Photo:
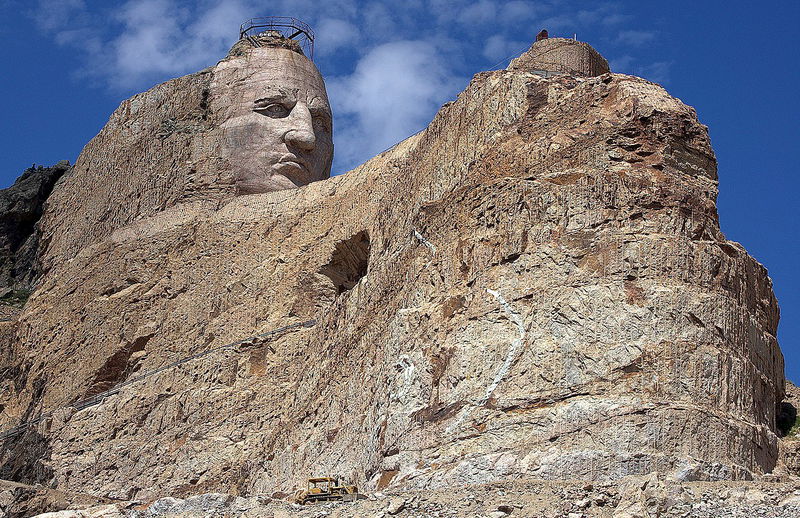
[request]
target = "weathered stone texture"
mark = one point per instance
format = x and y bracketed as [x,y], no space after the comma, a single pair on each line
[789,429]
[547,294]
[150,155]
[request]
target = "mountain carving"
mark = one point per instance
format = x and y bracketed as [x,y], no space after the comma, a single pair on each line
[536,286]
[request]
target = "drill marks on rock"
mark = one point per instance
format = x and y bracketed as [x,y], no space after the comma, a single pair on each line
[100,397]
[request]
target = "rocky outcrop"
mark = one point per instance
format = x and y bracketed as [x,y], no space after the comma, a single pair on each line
[536,286]
[21,206]
[21,501]
[145,159]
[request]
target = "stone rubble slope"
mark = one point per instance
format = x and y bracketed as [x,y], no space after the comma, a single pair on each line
[635,496]
[536,286]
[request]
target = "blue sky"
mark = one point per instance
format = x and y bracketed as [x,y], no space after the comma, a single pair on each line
[390,65]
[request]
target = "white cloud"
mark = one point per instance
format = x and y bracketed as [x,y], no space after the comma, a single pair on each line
[83,38]
[495,47]
[635,38]
[518,11]
[51,13]
[149,40]
[378,21]
[586,17]
[558,25]
[657,72]
[480,12]
[498,47]
[621,64]
[159,38]
[217,26]
[131,46]
[393,92]
[615,19]
[332,34]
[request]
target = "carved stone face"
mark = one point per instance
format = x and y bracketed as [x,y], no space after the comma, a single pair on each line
[279,133]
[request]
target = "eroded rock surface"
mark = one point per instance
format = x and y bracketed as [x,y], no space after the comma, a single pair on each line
[536,286]
[789,431]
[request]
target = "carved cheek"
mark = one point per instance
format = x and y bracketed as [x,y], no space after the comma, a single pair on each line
[324,143]
[240,131]
[270,130]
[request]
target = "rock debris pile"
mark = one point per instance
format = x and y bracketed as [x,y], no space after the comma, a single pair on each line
[631,497]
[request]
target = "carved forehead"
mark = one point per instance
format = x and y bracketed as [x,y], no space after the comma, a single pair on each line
[279,72]
[240,81]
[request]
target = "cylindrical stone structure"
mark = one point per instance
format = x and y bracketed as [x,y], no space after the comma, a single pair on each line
[564,56]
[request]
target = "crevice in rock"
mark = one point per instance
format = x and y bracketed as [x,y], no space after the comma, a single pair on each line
[787,423]
[437,412]
[26,459]
[349,262]
[117,368]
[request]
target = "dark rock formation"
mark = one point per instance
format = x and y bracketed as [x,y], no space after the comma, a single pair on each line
[21,206]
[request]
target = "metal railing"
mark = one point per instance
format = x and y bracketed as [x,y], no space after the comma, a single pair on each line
[288,27]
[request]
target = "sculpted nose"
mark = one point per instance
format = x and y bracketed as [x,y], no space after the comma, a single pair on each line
[301,134]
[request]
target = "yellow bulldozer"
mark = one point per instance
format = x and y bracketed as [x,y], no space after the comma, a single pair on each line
[325,489]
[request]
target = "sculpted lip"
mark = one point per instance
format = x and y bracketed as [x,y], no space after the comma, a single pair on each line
[294,160]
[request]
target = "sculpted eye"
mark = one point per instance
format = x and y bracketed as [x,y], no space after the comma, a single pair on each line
[321,120]
[272,110]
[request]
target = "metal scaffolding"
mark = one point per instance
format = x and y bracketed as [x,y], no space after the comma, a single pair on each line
[290,28]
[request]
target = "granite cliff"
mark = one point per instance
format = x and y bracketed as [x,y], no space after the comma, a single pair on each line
[534,287]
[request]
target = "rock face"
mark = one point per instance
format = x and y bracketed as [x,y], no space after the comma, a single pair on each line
[536,286]
[21,206]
